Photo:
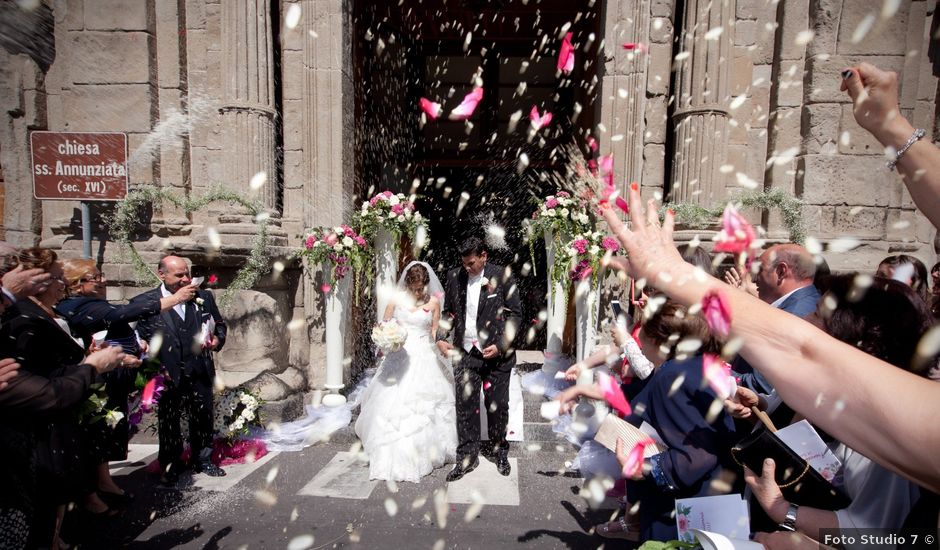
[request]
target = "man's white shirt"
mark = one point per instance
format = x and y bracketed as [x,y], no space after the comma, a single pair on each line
[473,305]
[179,308]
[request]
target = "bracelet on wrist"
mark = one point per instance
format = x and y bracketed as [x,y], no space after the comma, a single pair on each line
[915,137]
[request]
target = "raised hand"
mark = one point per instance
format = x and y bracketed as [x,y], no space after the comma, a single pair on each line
[8,369]
[25,282]
[740,279]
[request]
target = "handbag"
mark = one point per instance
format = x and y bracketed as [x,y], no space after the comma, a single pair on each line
[799,483]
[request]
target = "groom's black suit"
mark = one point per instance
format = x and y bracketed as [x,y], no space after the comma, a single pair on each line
[498,319]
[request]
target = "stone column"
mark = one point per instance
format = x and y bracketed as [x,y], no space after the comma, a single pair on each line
[248,97]
[327,139]
[623,88]
[701,115]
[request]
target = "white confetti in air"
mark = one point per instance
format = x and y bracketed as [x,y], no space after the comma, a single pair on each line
[439,544]
[294,514]
[813,246]
[296,324]
[845,139]
[901,224]
[267,498]
[514,121]
[278,267]
[713,34]
[464,197]
[421,238]
[863,27]
[682,55]
[466,41]
[523,163]
[214,240]
[732,347]
[844,244]
[745,181]
[258,180]
[496,237]
[475,507]
[929,344]
[391,507]
[903,273]
[292,19]
[419,502]
[783,157]
[890,8]
[156,342]
[804,37]
[618,137]
[440,508]
[737,102]
[271,475]
[303,542]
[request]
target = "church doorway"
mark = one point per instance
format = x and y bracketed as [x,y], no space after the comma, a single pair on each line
[482,176]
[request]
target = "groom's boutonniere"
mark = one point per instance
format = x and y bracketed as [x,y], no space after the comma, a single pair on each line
[200,301]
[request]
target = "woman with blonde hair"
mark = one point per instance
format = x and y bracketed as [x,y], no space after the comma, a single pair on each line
[88,312]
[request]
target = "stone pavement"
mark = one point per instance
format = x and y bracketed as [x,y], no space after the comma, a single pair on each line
[321,498]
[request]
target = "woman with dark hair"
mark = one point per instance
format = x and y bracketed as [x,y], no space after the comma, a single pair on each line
[907,269]
[88,312]
[678,402]
[935,290]
[886,320]
[407,423]
[42,343]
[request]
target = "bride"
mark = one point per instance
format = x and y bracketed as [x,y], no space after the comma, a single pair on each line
[407,423]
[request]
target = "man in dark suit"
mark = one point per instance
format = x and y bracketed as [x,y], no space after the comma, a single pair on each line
[483,302]
[187,359]
[785,281]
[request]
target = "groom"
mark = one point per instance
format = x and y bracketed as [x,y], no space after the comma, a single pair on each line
[483,301]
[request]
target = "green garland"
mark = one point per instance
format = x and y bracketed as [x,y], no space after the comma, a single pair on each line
[790,208]
[127,217]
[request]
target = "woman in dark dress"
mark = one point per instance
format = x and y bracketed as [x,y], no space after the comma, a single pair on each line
[88,312]
[40,341]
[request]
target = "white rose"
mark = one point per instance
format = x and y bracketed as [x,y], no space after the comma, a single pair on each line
[393,200]
[318,243]
[407,214]
[594,250]
[550,213]
[583,218]
[338,230]
[348,241]
[338,247]
[548,198]
[417,216]
[564,212]
[392,216]
[365,206]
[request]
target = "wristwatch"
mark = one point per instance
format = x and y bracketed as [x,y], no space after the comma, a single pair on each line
[789,522]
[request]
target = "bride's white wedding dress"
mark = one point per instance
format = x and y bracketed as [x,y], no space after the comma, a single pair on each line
[407,423]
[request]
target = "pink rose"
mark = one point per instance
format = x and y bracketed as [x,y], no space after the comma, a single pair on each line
[551,203]
[683,523]
[563,194]
[581,245]
[374,200]
[387,194]
[398,209]
[311,240]
[330,239]
[610,243]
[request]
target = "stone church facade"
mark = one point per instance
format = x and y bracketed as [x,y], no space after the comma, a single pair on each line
[721,94]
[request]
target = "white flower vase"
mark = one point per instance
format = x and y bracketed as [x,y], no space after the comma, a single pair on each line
[386,270]
[557,312]
[587,304]
[337,309]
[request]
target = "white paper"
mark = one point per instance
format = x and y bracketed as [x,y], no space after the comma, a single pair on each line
[197,282]
[804,441]
[723,514]
[716,541]
[208,329]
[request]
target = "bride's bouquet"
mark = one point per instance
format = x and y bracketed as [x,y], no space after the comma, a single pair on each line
[389,336]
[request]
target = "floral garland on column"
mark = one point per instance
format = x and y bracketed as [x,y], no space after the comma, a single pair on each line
[127,217]
[342,249]
[563,215]
[790,208]
[393,212]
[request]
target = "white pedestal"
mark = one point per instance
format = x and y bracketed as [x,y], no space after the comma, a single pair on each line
[556,312]
[386,270]
[337,306]
[587,303]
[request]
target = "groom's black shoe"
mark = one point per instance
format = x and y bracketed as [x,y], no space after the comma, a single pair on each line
[464,466]
[502,465]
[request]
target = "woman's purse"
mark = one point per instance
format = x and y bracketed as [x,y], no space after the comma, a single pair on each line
[798,481]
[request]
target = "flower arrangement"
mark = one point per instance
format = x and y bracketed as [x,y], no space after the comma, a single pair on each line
[341,248]
[389,336]
[393,212]
[563,216]
[235,411]
[580,258]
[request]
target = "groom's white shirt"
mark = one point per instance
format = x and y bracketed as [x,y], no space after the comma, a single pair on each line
[473,304]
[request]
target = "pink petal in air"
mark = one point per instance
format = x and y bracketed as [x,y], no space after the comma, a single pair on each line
[717,313]
[736,233]
[634,462]
[566,55]
[635,46]
[718,375]
[614,395]
[467,106]
[430,108]
[539,122]
[592,144]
